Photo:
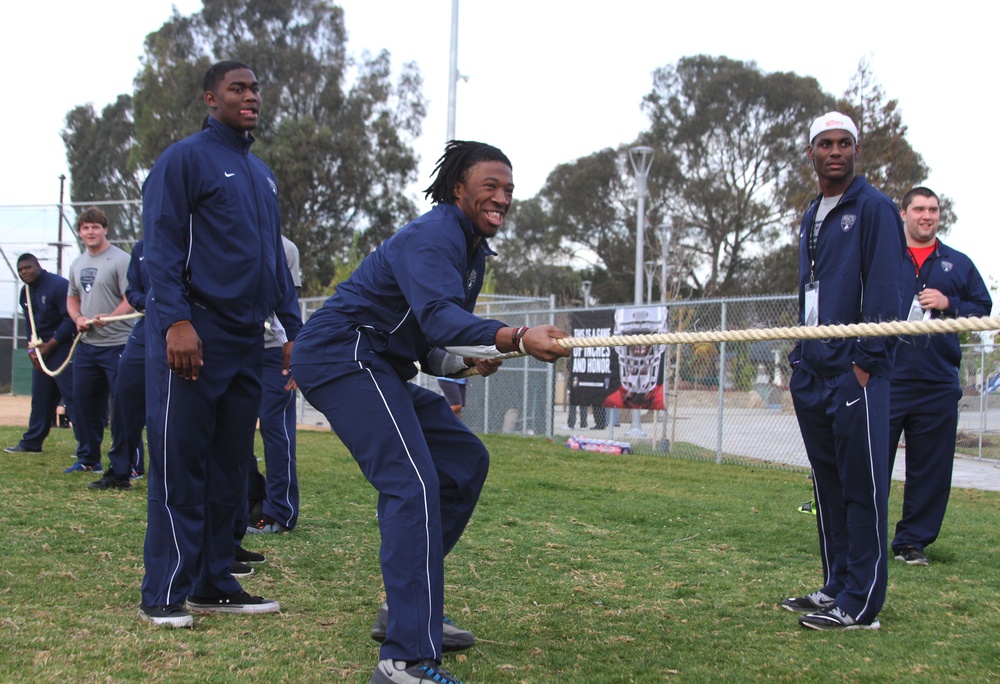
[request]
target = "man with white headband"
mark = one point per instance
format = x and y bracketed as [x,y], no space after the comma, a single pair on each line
[850,271]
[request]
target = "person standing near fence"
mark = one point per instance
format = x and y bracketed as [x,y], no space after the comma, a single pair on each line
[940,282]
[410,298]
[217,270]
[55,328]
[850,271]
[279,506]
[98,279]
[126,458]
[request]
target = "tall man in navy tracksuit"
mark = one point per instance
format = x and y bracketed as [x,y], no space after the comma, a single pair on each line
[217,271]
[850,271]
[940,282]
[126,457]
[406,302]
[56,330]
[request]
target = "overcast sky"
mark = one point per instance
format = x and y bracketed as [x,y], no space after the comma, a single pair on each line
[548,80]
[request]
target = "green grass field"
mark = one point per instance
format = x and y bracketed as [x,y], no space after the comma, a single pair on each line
[576,567]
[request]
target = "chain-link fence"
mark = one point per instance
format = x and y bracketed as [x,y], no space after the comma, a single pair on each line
[725,402]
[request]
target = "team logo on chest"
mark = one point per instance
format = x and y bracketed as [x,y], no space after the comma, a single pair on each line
[274,186]
[947,266]
[87,278]
[848,221]
[470,278]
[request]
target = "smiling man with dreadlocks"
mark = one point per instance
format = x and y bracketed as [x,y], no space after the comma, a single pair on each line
[408,301]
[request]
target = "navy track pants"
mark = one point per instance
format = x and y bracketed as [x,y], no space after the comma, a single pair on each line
[428,469]
[846,431]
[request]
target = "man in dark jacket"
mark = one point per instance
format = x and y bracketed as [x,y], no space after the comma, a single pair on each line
[216,271]
[55,329]
[407,301]
[939,282]
[850,271]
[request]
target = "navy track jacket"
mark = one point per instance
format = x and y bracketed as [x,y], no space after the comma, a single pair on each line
[416,291]
[936,358]
[48,304]
[213,235]
[859,265]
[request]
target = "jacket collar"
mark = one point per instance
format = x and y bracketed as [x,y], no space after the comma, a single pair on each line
[227,135]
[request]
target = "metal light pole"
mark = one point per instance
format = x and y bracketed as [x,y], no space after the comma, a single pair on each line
[62,194]
[641,158]
[585,289]
[664,231]
[453,71]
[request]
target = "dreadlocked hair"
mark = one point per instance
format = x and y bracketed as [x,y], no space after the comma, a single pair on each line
[459,156]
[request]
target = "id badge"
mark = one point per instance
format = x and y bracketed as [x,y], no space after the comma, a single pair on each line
[917,312]
[812,304]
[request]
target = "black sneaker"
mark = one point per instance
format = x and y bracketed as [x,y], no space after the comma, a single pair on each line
[21,449]
[240,602]
[452,637]
[110,481]
[396,672]
[808,604]
[265,524]
[166,617]
[911,556]
[833,619]
[238,569]
[244,556]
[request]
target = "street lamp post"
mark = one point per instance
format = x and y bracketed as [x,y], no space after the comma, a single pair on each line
[641,158]
[665,246]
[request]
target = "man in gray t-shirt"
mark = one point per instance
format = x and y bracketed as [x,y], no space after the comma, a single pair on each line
[97,282]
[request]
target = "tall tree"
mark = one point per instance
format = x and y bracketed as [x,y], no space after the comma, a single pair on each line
[342,153]
[888,161]
[737,133]
[98,149]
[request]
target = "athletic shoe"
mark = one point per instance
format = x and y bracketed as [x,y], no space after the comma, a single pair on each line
[240,602]
[834,618]
[911,556]
[135,474]
[396,672]
[452,638]
[265,524]
[166,617]
[81,467]
[244,556]
[807,507]
[238,569]
[808,604]
[21,449]
[109,481]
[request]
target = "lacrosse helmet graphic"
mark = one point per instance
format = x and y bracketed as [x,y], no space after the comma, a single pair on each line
[639,365]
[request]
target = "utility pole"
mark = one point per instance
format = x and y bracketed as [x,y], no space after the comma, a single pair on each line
[453,71]
[641,158]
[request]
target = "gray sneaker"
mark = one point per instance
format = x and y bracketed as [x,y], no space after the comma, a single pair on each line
[166,616]
[911,556]
[396,672]
[808,604]
[452,637]
[834,619]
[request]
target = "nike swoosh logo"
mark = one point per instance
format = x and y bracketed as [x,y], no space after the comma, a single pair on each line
[229,175]
[852,403]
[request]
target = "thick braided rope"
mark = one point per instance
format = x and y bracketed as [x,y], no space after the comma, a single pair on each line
[36,341]
[934,326]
